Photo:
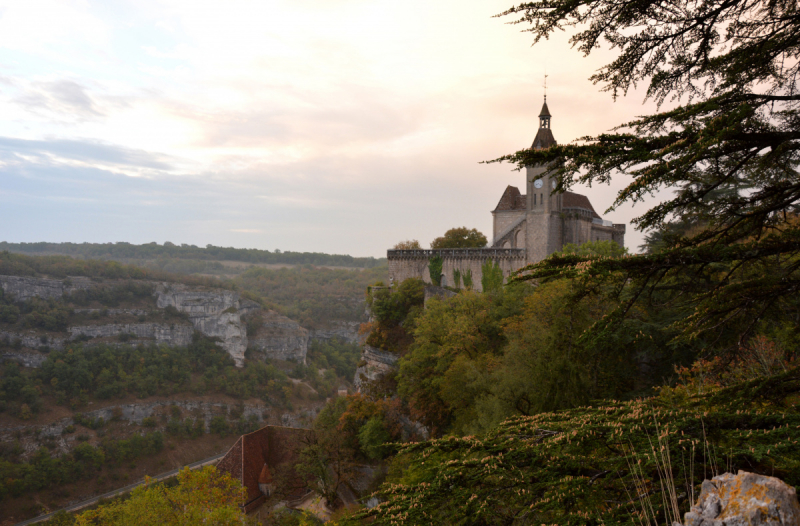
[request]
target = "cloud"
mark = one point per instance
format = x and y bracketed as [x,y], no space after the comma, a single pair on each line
[85,151]
[63,97]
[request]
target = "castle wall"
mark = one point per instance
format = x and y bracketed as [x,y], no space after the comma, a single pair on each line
[404,264]
[504,219]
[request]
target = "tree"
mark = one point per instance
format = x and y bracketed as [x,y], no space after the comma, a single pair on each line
[462,237]
[731,151]
[204,496]
[409,244]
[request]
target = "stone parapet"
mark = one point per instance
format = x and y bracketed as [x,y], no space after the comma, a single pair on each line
[458,253]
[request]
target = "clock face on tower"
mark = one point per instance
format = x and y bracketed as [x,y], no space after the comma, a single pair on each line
[538,183]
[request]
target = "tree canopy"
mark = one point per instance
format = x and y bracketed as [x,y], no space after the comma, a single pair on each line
[461,237]
[728,148]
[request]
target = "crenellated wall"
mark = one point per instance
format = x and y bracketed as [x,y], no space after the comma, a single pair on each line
[404,264]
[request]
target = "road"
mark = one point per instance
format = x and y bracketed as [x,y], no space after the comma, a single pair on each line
[120,491]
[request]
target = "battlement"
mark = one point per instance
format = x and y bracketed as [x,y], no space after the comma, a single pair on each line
[481,254]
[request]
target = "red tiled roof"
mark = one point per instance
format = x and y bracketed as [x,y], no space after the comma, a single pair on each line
[573,200]
[248,459]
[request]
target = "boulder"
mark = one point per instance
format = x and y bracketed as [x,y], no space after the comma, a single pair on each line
[745,499]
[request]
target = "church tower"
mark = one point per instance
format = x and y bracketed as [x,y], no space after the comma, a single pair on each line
[544,222]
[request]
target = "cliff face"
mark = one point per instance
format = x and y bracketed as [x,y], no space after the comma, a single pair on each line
[213,313]
[171,335]
[374,364]
[23,288]
[279,337]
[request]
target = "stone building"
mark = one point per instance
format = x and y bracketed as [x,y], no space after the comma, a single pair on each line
[526,227]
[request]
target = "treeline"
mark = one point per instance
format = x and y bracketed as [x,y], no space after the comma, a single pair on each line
[150,251]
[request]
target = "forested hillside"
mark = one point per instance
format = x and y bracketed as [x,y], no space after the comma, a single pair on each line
[154,253]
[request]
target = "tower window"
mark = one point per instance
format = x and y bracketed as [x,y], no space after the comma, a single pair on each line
[534,199]
[541,198]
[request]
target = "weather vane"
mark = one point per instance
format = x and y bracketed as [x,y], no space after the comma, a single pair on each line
[545,85]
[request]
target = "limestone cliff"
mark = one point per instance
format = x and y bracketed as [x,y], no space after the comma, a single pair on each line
[374,364]
[213,313]
[22,288]
[278,337]
[171,335]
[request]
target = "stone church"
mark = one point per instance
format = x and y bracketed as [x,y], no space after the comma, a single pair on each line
[527,227]
[542,222]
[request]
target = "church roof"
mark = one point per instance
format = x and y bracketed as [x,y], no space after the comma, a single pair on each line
[573,200]
[511,200]
[544,139]
[545,111]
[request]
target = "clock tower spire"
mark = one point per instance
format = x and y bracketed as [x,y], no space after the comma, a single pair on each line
[543,231]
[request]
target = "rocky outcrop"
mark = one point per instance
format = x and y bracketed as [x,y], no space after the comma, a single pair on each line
[33,437]
[373,365]
[23,288]
[24,357]
[213,313]
[32,340]
[440,293]
[280,338]
[171,335]
[112,312]
[342,330]
[745,499]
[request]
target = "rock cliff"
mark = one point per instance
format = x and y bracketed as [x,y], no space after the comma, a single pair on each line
[213,313]
[279,337]
[171,335]
[374,364]
[23,288]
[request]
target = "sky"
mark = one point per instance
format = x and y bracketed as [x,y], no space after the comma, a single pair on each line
[338,126]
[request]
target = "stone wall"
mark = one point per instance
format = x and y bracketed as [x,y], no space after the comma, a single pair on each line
[404,264]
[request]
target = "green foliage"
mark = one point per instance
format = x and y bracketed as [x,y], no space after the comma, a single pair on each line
[575,467]
[457,342]
[43,471]
[113,295]
[373,436]
[609,249]
[435,264]
[491,276]
[114,372]
[456,278]
[327,458]
[204,496]
[394,311]
[467,276]
[461,237]
[310,295]
[335,354]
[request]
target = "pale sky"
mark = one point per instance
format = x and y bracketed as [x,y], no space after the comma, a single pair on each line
[339,126]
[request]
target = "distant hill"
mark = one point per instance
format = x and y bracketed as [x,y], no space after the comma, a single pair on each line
[153,251]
